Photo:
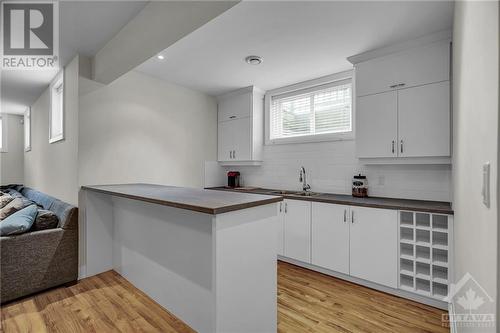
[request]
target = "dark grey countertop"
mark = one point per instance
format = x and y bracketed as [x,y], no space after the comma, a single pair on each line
[199,200]
[375,202]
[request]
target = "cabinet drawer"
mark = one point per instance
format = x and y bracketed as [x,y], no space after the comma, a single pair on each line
[417,66]
[236,107]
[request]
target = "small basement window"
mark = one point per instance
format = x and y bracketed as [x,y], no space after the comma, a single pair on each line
[56,122]
[318,113]
[2,139]
[27,130]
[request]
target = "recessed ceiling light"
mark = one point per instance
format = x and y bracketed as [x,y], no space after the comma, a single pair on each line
[253,60]
[161,57]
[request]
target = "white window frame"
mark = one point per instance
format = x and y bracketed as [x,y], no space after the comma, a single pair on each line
[3,148]
[58,80]
[27,130]
[346,75]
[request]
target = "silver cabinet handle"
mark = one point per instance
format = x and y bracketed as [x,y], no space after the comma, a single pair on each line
[352,216]
[401,146]
[230,154]
[281,207]
[234,153]
[232,117]
[393,146]
[286,207]
[397,85]
[345,215]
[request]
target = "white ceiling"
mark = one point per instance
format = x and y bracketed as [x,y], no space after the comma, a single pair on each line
[85,27]
[297,40]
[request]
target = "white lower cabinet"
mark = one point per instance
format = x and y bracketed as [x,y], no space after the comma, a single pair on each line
[297,230]
[357,241]
[374,245]
[281,229]
[364,243]
[330,236]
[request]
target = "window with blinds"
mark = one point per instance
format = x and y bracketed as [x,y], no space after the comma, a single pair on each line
[1,134]
[56,115]
[321,110]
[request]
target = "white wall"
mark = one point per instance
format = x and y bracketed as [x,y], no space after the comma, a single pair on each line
[476,76]
[12,161]
[331,165]
[53,168]
[142,129]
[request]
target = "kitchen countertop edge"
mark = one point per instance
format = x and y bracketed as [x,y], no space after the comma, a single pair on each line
[186,206]
[429,206]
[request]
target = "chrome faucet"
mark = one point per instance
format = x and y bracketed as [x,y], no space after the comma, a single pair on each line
[302,178]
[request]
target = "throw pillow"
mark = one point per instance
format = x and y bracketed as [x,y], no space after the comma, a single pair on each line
[45,219]
[14,206]
[19,222]
[14,193]
[5,199]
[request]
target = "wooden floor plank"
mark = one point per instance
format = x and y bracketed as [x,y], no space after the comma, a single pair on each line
[307,302]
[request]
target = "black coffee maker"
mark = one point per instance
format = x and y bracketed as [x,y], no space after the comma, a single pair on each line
[233,179]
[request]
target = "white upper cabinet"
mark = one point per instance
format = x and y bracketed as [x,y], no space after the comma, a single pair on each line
[224,141]
[241,127]
[424,120]
[403,105]
[377,125]
[235,106]
[417,66]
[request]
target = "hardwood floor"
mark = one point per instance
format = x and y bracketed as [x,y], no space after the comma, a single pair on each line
[102,303]
[307,302]
[313,302]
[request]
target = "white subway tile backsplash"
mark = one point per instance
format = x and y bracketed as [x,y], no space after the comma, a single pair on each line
[331,165]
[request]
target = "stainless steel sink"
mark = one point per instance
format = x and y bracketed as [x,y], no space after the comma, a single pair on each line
[301,193]
[305,194]
[283,192]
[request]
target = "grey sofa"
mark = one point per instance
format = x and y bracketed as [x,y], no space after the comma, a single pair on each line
[39,260]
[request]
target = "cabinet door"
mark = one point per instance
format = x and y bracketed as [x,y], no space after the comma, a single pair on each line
[377,125]
[298,230]
[330,236]
[235,107]
[281,229]
[424,120]
[242,139]
[416,66]
[423,65]
[374,245]
[375,76]
[225,142]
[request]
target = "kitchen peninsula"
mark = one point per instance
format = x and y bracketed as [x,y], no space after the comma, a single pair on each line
[209,257]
